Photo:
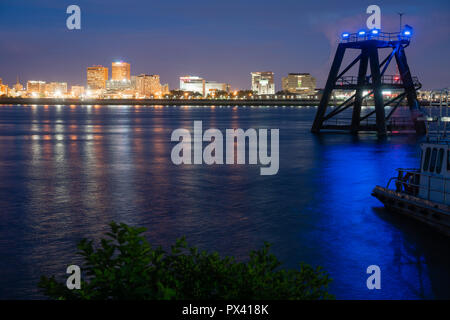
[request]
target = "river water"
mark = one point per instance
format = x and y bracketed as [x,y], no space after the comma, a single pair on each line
[66,171]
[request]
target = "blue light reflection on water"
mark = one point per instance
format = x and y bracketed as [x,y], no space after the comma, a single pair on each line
[66,171]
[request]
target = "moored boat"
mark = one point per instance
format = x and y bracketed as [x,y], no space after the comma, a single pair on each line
[423,193]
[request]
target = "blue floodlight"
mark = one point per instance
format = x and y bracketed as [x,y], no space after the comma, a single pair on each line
[345,35]
[362,33]
[407,31]
[375,31]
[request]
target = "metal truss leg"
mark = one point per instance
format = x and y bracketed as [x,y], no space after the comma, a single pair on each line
[359,92]
[317,125]
[410,90]
[377,92]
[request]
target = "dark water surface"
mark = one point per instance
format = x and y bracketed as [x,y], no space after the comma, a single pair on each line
[66,171]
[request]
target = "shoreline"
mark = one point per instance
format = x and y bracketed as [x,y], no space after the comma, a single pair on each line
[191,102]
[223,102]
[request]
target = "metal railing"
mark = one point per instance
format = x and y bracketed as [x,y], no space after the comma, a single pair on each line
[408,181]
[385,79]
[382,36]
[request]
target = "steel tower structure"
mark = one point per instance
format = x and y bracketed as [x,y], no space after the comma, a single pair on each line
[364,85]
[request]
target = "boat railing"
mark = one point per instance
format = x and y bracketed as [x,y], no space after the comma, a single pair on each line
[410,181]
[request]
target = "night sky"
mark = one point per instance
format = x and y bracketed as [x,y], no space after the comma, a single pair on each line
[219,40]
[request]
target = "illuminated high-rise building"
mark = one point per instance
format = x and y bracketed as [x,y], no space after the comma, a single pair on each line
[147,85]
[120,71]
[302,83]
[263,83]
[35,87]
[97,77]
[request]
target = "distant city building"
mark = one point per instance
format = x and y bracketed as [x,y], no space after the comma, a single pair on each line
[77,91]
[35,87]
[192,84]
[4,89]
[148,85]
[301,83]
[200,85]
[263,83]
[119,85]
[212,86]
[18,86]
[56,88]
[94,93]
[432,95]
[120,71]
[97,77]
[165,89]
[133,82]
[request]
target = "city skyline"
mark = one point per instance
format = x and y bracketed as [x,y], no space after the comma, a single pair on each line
[173,39]
[120,77]
[98,76]
[120,80]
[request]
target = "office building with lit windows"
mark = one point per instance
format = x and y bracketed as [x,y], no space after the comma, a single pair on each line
[148,85]
[300,83]
[55,88]
[263,82]
[97,77]
[192,84]
[35,87]
[200,85]
[120,71]
[119,85]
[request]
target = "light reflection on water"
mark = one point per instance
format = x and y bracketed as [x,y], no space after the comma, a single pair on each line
[66,171]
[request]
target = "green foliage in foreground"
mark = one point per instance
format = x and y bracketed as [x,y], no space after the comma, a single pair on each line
[125,266]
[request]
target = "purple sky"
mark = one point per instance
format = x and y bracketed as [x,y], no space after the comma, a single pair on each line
[218,40]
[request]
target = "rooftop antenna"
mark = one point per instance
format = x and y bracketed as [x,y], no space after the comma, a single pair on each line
[400,15]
